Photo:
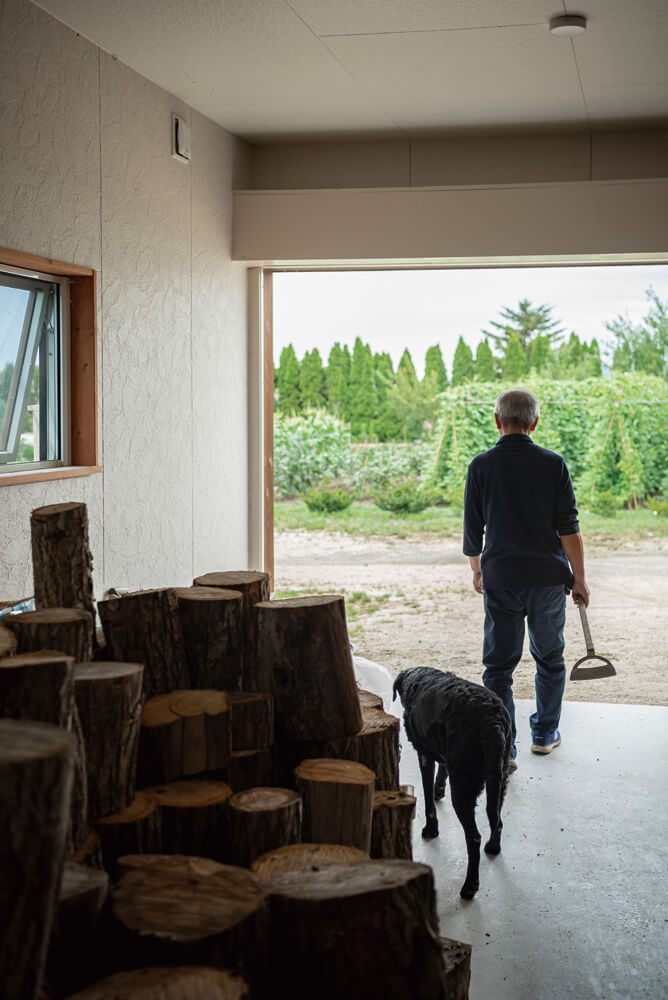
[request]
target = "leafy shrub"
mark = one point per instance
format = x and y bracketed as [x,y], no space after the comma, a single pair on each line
[605,503]
[659,505]
[313,449]
[407,497]
[326,501]
[309,450]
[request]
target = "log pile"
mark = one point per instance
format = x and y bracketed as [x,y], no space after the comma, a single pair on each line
[232,784]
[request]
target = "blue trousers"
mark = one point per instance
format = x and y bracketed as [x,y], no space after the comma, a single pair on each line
[545,611]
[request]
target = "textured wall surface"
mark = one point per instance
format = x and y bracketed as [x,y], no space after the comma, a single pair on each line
[86,176]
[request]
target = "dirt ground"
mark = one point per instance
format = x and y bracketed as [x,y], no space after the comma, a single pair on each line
[410,602]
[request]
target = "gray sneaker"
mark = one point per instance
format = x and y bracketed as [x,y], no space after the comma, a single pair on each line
[546,743]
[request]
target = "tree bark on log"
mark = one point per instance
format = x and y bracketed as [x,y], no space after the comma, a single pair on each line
[254,586]
[109,702]
[73,958]
[36,768]
[251,720]
[250,769]
[189,910]
[7,642]
[194,817]
[69,630]
[213,634]
[303,655]
[376,746]
[145,627]
[392,828]
[61,557]
[183,733]
[193,982]
[305,857]
[355,931]
[40,686]
[457,962]
[260,820]
[137,829]
[337,802]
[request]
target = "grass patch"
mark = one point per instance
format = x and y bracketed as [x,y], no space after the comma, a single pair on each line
[358,604]
[364,519]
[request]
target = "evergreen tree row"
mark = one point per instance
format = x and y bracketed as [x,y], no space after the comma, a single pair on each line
[363,389]
[385,405]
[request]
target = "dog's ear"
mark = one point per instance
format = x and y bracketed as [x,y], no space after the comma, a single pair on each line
[397,686]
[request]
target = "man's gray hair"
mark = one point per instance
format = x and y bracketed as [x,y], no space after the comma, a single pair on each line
[518,408]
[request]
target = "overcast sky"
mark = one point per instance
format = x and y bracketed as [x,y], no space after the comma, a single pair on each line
[391,310]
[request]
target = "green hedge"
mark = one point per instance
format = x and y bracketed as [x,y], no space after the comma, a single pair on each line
[613,433]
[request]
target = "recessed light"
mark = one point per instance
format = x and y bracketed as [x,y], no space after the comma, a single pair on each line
[568,25]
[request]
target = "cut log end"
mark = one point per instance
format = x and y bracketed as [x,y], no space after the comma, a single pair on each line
[232,579]
[305,857]
[53,509]
[172,983]
[329,769]
[190,794]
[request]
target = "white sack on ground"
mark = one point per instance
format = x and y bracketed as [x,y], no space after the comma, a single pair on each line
[374,677]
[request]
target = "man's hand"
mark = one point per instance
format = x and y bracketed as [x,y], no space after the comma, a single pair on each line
[580,589]
[572,545]
[477,573]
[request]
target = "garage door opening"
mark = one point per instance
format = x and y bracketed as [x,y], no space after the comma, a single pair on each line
[384,384]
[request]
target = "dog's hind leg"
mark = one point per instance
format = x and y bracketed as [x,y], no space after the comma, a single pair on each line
[427,763]
[463,802]
[495,790]
[439,785]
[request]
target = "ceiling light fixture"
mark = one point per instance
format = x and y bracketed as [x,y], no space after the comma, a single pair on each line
[568,25]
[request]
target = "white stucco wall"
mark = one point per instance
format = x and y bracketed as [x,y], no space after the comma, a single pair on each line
[86,177]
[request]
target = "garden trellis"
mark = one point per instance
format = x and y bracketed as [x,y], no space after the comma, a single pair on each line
[613,433]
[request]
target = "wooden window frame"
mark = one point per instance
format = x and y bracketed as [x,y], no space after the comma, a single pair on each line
[83,368]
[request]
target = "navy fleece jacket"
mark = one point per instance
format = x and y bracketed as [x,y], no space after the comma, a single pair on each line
[520,497]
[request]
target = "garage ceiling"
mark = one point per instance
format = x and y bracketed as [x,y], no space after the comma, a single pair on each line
[272,70]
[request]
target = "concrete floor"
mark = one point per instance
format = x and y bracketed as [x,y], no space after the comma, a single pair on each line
[576,905]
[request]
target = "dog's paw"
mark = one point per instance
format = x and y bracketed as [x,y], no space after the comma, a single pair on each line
[430,831]
[493,845]
[468,890]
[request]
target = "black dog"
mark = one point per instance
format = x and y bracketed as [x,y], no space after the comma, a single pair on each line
[466,730]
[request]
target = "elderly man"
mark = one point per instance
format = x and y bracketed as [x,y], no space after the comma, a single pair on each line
[520,497]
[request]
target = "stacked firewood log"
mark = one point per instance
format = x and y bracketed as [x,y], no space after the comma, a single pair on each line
[202,785]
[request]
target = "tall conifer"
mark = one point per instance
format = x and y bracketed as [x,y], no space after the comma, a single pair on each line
[433,362]
[287,381]
[485,367]
[462,363]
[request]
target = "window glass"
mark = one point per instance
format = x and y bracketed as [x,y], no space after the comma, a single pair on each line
[30,371]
